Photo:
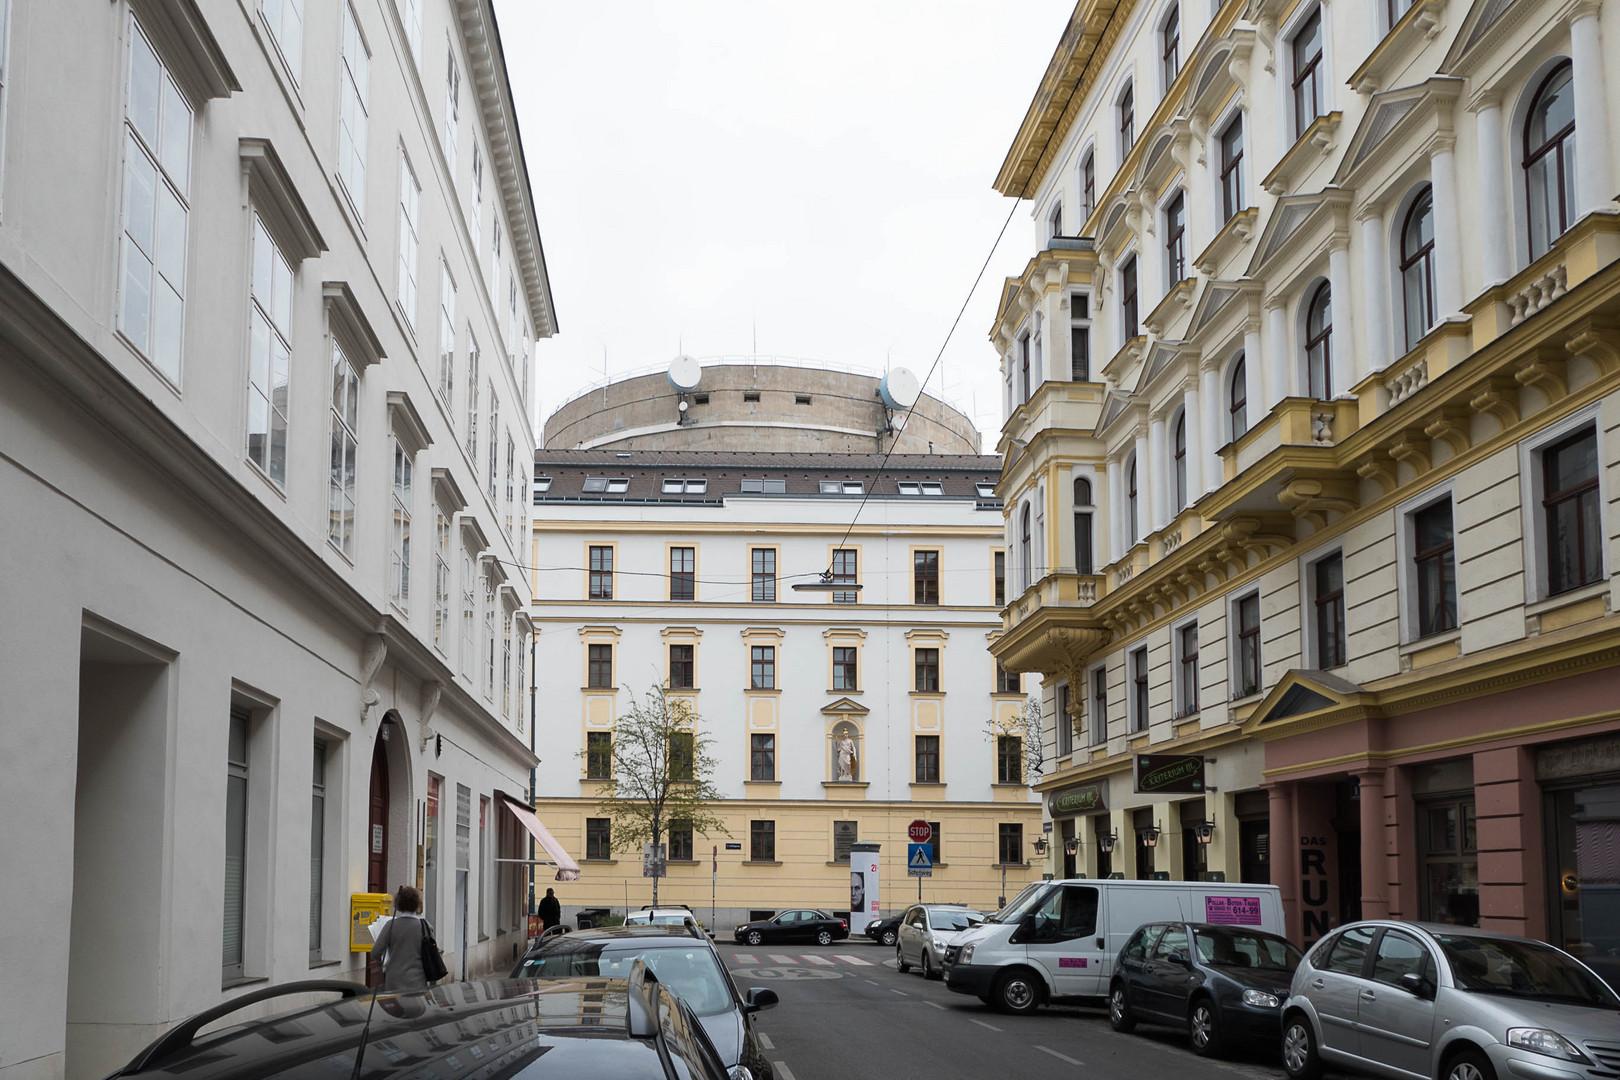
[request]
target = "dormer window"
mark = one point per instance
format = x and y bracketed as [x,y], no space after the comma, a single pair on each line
[682,486]
[755,485]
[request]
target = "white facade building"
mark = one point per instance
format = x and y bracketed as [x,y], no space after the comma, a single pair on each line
[269,278]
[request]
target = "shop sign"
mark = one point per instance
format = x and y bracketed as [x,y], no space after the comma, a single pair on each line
[1232,910]
[1079,799]
[1170,774]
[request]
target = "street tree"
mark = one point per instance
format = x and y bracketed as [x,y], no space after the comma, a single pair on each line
[662,775]
[1026,727]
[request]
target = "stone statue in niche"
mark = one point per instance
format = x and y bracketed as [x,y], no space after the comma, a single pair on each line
[845,748]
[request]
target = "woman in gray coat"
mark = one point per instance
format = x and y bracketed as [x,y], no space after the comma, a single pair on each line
[399,943]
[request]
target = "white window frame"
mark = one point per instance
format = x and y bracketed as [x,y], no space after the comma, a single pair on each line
[279,342]
[410,211]
[1179,705]
[354,66]
[1054,219]
[471,444]
[342,484]
[1309,649]
[1090,706]
[1187,253]
[410,16]
[1234,657]
[1082,323]
[1533,520]
[451,133]
[403,493]
[1089,150]
[469,618]
[475,215]
[490,601]
[494,445]
[1406,582]
[1174,6]
[447,333]
[1126,83]
[441,580]
[1285,45]
[285,21]
[1137,723]
[1235,113]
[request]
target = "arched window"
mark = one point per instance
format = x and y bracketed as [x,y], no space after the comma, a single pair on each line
[1082,526]
[1181,461]
[1549,159]
[1127,120]
[1238,395]
[1088,188]
[1130,502]
[1318,344]
[1170,36]
[1025,563]
[1417,266]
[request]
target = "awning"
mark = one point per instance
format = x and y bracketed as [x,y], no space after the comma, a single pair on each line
[567,868]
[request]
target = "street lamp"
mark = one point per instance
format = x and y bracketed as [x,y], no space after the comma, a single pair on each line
[1040,845]
[1071,846]
[1204,832]
[1150,836]
[1106,842]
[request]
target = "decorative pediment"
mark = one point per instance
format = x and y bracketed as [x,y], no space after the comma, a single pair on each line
[1392,112]
[844,707]
[1217,296]
[1225,69]
[1482,18]
[1159,163]
[1306,698]
[1422,23]
[1113,406]
[1289,218]
[1159,357]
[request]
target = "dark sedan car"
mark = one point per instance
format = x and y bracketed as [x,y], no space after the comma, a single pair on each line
[557,1029]
[885,931]
[1224,984]
[684,959]
[800,924]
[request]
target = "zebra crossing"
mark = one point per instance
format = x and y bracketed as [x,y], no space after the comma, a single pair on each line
[807,959]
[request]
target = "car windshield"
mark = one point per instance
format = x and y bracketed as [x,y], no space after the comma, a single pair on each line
[1023,903]
[693,973]
[1526,969]
[1223,947]
[954,920]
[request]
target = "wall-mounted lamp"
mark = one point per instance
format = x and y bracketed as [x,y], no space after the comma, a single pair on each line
[1040,845]
[1204,832]
[1071,846]
[1106,842]
[1150,836]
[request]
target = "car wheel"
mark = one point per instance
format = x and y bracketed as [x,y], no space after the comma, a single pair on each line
[1204,1028]
[1120,1017]
[927,965]
[900,960]
[1469,1065]
[1017,992]
[889,937]
[1299,1049]
[755,937]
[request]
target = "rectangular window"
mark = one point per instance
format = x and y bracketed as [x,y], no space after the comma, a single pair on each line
[599,838]
[469,624]
[1010,757]
[762,841]
[682,573]
[157,169]
[1099,707]
[925,577]
[345,417]
[1000,558]
[1055,221]
[317,848]
[1127,298]
[399,577]
[1308,74]
[285,18]
[764,575]
[452,110]
[447,333]
[410,211]
[236,817]
[1008,682]
[1127,123]
[678,486]
[1139,689]
[680,841]
[1170,62]
[1572,519]
[927,759]
[1011,847]
[495,262]
[599,673]
[1232,169]
[927,670]
[601,585]
[1436,568]
[1248,645]
[494,459]
[475,214]
[681,757]
[511,485]
[410,14]
[762,667]
[598,755]
[753,485]
[270,357]
[1079,338]
[506,667]
[1187,669]
[844,570]
[1175,239]
[489,635]
[441,579]
[472,399]
[934,843]
[1088,188]
[845,833]
[1327,588]
[844,668]
[762,757]
[353,86]
[1062,721]
[682,663]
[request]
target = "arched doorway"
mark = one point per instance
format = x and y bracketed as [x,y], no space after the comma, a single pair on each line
[389,842]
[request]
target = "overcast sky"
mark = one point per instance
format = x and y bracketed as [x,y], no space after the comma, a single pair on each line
[723,177]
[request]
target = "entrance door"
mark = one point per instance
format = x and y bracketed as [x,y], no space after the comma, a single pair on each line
[377,838]
[1254,850]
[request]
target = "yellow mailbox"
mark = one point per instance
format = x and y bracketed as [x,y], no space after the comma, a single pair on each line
[365,908]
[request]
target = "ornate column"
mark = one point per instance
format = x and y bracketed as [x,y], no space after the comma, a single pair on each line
[1253,369]
[1118,527]
[1375,296]
[1447,232]
[1195,440]
[1593,187]
[1213,430]
[1158,475]
[1144,484]
[1374,868]
[1343,356]
[1496,262]
[1283,841]
[1279,357]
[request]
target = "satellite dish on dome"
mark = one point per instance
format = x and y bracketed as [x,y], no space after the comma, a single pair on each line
[899,389]
[684,374]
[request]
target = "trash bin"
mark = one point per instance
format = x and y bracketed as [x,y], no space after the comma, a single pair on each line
[589,917]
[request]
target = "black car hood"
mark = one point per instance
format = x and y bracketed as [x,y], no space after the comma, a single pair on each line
[725,1031]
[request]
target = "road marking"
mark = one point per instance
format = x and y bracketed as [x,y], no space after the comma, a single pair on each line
[937,1005]
[822,960]
[1060,1057]
[765,1041]
[744,958]
[982,1024]
[874,982]
[781,1067]
[778,958]
[902,993]
[857,961]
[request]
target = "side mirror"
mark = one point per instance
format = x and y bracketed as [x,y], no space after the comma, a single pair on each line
[1416,985]
[759,998]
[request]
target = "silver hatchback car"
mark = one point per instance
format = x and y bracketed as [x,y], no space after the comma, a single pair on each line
[924,932]
[1402,999]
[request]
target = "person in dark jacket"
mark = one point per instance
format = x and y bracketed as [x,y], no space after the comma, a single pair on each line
[399,943]
[550,910]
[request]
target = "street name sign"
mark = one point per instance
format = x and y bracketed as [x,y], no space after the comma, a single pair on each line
[919,860]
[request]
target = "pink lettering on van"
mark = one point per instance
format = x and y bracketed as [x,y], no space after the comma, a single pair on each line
[1071,961]
[1232,910]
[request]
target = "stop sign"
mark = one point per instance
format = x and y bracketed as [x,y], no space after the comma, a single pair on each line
[919,831]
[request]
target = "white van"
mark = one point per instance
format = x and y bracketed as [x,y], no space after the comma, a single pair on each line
[1057,940]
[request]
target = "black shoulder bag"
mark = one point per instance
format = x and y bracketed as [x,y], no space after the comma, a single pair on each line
[432,960]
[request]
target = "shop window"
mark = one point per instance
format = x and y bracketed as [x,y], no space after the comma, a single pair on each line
[1583,834]
[1449,852]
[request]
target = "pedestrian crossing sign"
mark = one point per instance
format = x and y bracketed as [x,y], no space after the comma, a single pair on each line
[919,860]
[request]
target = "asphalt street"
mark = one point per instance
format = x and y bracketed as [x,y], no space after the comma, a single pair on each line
[847,1012]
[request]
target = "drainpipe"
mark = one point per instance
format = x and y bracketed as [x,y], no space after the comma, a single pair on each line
[532,772]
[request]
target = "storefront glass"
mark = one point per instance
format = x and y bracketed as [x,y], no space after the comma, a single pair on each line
[1584,897]
[1450,861]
